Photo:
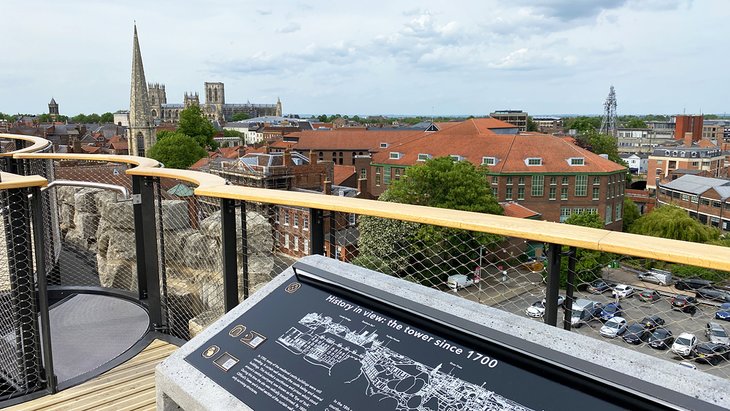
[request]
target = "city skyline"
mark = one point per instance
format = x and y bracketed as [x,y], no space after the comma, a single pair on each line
[424,58]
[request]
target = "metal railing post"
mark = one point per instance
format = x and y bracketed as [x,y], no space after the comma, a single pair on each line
[333,235]
[43,306]
[316,234]
[569,287]
[244,247]
[230,270]
[553,285]
[146,225]
[137,182]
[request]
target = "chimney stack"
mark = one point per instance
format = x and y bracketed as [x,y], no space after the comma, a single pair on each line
[688,139]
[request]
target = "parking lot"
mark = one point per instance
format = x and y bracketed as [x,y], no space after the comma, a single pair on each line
[634,310]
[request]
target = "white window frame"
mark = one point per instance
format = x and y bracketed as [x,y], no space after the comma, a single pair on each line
[394,155]
[423,157]
[528,160]
[296,243]
[576,161]
[286,217]
[305,222]
[489,161]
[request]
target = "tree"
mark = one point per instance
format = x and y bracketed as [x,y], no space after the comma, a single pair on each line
[232,133]
[673,222]
[631,214]
[240,117]
[195,125]
[107,118]
[423,252]
[531,125]
[589,263]
[636,123]
[177,150]
[583,124]
[79,118]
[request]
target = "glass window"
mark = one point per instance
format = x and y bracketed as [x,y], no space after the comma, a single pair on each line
[553,180]
[521,181]
[577,161]
[397,173]
[564,193]
[489,161]
[596,192]
[521,193]
[363,173]
[286,217]
[552,193]
[581,185]
[509,180]
[618,211]
[508,194]
[296,221]
[305,222]
[423,157]
[538,186]
[534,161]
[564,214]
[565,180]
[596,181]
[609,217]
[495,179]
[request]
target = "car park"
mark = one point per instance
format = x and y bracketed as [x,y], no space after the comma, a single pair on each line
[613,327]
[691,283]
[656,276]
[584,311]
[622,291]
[611,310]
[536,310]
[684,303]
[599,286]
[635,334]
[650,296]
[561,300]
[684,345]
[652,322]
[716,333]
[714,294]
[661,339]
[723,313]
[711,353]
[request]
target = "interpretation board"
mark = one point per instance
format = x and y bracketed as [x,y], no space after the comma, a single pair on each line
[312,344]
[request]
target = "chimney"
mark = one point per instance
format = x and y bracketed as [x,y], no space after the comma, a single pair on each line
[362,188]
[287,157]
[688,139]
[312,157]
[327,187]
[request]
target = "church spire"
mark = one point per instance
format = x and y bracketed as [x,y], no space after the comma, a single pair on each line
[141,130]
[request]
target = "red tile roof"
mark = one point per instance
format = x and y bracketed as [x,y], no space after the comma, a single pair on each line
[119,145]
[348,139]
[342,173]
[512,209]
[200,163]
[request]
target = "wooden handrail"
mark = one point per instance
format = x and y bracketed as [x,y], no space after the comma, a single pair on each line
[135,160]
[39,143]
[9,181]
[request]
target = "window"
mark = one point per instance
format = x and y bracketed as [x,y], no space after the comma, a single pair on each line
[577,161]
[394,155]
[564,193]
[397,173]
[305,222]
[521,193]
[296,243]
[596,181]
[306,246]
[276,216]
[716,204]
[552,193]
[378,170]
[533,161]
[363,173]
[609,217]
[538,186]
[508,194]
[618,211]
[596,192]
[456,157]
[383,145]
[296,221]
[564,214]
[581,185]
[495,180]
[565,180]
[553,180]
[509,180]
[424,157]
[489,161]
[286,218]
[286,240]
[351,218]
[521,181]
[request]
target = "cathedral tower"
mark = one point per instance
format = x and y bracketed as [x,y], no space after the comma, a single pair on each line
[141,131]
[53,109]
[278,107]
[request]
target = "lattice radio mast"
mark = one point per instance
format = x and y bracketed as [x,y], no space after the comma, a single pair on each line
[608,124]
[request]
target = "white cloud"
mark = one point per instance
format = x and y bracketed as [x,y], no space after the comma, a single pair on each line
[290,28]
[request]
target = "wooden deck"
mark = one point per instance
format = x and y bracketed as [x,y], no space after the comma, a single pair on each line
[130,386]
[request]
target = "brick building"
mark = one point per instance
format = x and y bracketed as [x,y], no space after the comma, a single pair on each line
[684,124]
[701,155]
[704,198]
[544,173]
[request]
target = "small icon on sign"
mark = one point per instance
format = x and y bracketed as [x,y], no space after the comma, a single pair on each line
[292,288]
[211,351]
[225,361]
[237,331]
[253,339]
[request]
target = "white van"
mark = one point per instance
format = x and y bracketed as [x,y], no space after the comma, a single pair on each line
[583,311]
[656,276]
[459,281]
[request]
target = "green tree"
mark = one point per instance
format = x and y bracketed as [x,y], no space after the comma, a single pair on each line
[673,222]
[177,150]
[630,215]
[232,133]
[583,124]
[636,123]
[240,117]
[531,125]
[93,118]
[423,252]
[194,124]
[162,134]
[589,263]
[79,118]
[107,118]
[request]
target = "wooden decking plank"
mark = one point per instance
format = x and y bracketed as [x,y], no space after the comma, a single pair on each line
[142,399]
[107,397]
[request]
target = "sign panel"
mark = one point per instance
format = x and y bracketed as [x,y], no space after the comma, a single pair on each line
[305,348]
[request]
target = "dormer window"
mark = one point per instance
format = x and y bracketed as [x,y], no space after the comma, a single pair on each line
[424,157]
[383,145]
[489,161]
[456,157]
[533,161]
[394,155]
[577,161]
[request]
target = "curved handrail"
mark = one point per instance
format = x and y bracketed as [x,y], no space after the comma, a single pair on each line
[202,180]
[112,158]
[9,181]
[39,143]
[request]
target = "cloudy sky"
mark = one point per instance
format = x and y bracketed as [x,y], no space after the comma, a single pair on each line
[375,57]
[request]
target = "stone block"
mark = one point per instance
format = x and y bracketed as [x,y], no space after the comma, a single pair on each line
[85,200]
[175,215]
[118,215]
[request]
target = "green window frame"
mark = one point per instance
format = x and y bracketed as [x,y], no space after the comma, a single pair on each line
[552,193]
[581,185]
[538,186]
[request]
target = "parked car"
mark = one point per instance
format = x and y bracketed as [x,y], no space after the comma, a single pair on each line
[622,291]
[611,310]
[650,296]
[561,300]
[714,294]
[656,276]
[711,353]
[652,322]
[613,327]
[536,310]
[716,333]
[724,312]
[636,334]
[584,311]
[458,281]
[599,286]
[684,345]
[684,303]
[661,339]
[691,283]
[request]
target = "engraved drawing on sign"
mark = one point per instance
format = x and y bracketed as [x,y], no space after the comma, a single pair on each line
[253,339]
[292,288]
[356,356]
[225,361]
[211,351]
[237,331]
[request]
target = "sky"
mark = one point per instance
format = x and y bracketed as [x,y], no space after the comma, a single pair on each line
[426,57]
